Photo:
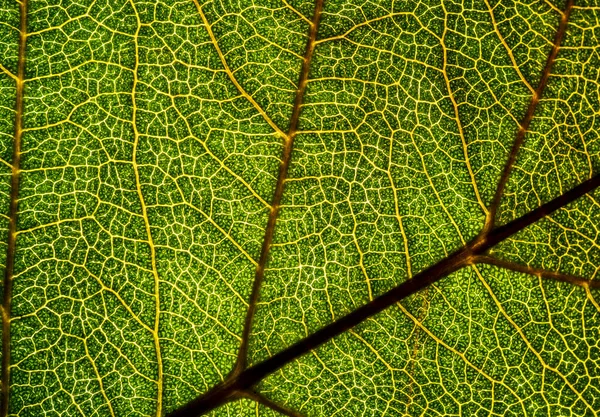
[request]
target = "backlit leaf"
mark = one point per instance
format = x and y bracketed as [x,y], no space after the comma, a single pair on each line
[280,207]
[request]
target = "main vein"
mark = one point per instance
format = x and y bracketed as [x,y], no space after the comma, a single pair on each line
[279,187]
[463,257]
[13,212]
[242,379]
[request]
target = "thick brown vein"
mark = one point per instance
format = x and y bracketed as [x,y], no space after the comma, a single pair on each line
[243,379]
[524,125]
[526,121]
[465,256]
[13,211]
[279,188]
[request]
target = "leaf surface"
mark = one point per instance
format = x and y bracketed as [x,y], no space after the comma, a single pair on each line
[296,208]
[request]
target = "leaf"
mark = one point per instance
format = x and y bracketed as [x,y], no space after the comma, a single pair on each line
[297,208]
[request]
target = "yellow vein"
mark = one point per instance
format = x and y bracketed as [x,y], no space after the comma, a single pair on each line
[70,394]
[216,271]
[7,72]
[223,232]
[418,323]
[258,35]
[262,400]
[232,76]
[554,328]
[507,48]
[77,67]
[361,24]
[210,220]
[584,143]
[526,340]
[553,7]
[213,156]
[361,257]
[457,115]
[54,224]
[590,297]
[397,207]
[120,299]
[593,241]
[382,360]
[67,120]
[194,302]
[13,212]
[300,15]
[84,16]
[435,191]
[138,185]
[98,377]
[416,346]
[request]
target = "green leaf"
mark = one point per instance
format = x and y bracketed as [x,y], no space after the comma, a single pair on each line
[299,208]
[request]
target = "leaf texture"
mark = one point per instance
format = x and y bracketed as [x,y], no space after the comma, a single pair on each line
[337,207]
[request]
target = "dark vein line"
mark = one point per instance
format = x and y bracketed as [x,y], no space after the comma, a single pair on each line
[463,257]
[261,399]
[524,125]
[246,379]
[503,232]
[243,379]
[526,121]
[279,188]
[13,211]
[538,272]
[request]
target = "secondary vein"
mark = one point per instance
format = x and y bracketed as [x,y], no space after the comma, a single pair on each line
[13,212]
[147,227]
[538,272]
[279,187]
[526,121]
[230,74]
[242,378]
